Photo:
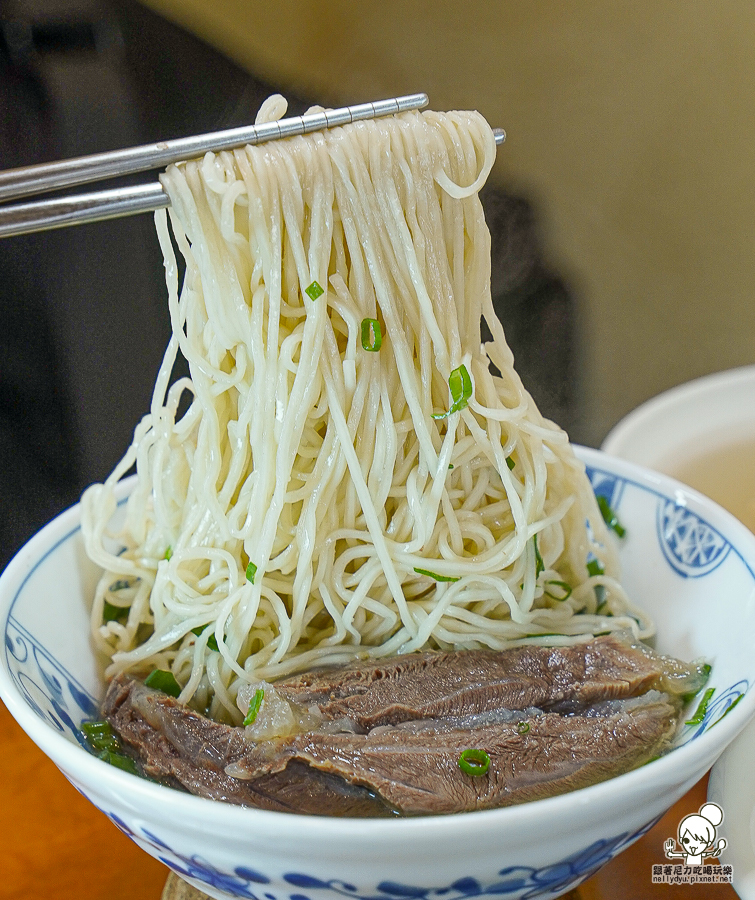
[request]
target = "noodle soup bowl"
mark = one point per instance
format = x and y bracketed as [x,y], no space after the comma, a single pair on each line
[689,563]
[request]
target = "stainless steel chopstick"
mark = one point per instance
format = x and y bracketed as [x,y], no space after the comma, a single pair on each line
[95,206]
[43,177]
[76,209]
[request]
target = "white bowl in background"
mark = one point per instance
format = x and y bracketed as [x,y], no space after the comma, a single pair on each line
[703,432]
[687,561]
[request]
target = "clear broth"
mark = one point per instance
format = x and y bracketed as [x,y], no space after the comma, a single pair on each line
[726,475]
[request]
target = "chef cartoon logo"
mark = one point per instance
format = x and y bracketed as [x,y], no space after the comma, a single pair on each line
[698,841]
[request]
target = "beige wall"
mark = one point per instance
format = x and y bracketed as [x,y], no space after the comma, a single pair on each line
[631,124]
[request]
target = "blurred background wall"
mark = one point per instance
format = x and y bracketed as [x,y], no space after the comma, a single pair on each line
[622,206]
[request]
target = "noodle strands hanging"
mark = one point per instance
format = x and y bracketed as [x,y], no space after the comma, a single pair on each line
[350,480]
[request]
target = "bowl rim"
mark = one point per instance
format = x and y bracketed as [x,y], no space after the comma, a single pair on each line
[692,759]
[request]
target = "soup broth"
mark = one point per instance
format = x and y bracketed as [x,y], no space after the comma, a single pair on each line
[727,475]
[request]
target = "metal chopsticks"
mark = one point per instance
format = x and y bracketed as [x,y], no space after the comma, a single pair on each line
[95,206]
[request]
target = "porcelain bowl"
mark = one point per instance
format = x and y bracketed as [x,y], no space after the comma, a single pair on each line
[685,560]
[704,420]
[689,421]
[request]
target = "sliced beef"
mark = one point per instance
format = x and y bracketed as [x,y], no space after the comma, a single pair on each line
[386,737]
[411,768]
[417,771]
[177,745]
[437,685]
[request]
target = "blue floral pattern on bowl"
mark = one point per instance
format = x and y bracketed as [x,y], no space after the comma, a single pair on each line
[48,688]
[522,882]
[691,546]
[606,485]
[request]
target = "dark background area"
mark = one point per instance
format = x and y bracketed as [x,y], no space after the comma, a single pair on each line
[83,313]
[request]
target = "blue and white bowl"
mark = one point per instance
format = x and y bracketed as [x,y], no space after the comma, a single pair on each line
[685,560]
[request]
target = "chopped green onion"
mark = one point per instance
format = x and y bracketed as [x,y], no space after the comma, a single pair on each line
[374,344]
[510,463]
[106,745]
[254,706]
[314,291]
[539,564]
[522,727]
[435,575]
[163,681]
[609,517]
[450,465]
[564,586]
[460,385]
[596,567]
[251,571]
[212,642]
[120,761]
[99,735]
[113,613]
[168,553]
[474,762]
[701,709]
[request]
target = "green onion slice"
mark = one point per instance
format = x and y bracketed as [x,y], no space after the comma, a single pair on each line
[596,567]
[609,517]
[168,553]
[510,463]
[99,735]
[120,761]
[460,385]
[212,642]
[375,343]
[435,575]
[539,564]
[254,706]
[522,727]
[474,761]
[163,681]
[314,291]
[113,613]
[701,709]
[251,571]
[566,589]
[106,745]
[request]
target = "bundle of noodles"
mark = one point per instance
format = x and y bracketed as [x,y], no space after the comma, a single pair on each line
[350,479]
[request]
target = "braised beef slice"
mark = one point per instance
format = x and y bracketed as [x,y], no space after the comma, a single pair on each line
[414,716]
[418,772]
[437,685]
[177,745]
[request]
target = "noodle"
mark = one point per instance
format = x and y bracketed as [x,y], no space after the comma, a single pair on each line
[323,500]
